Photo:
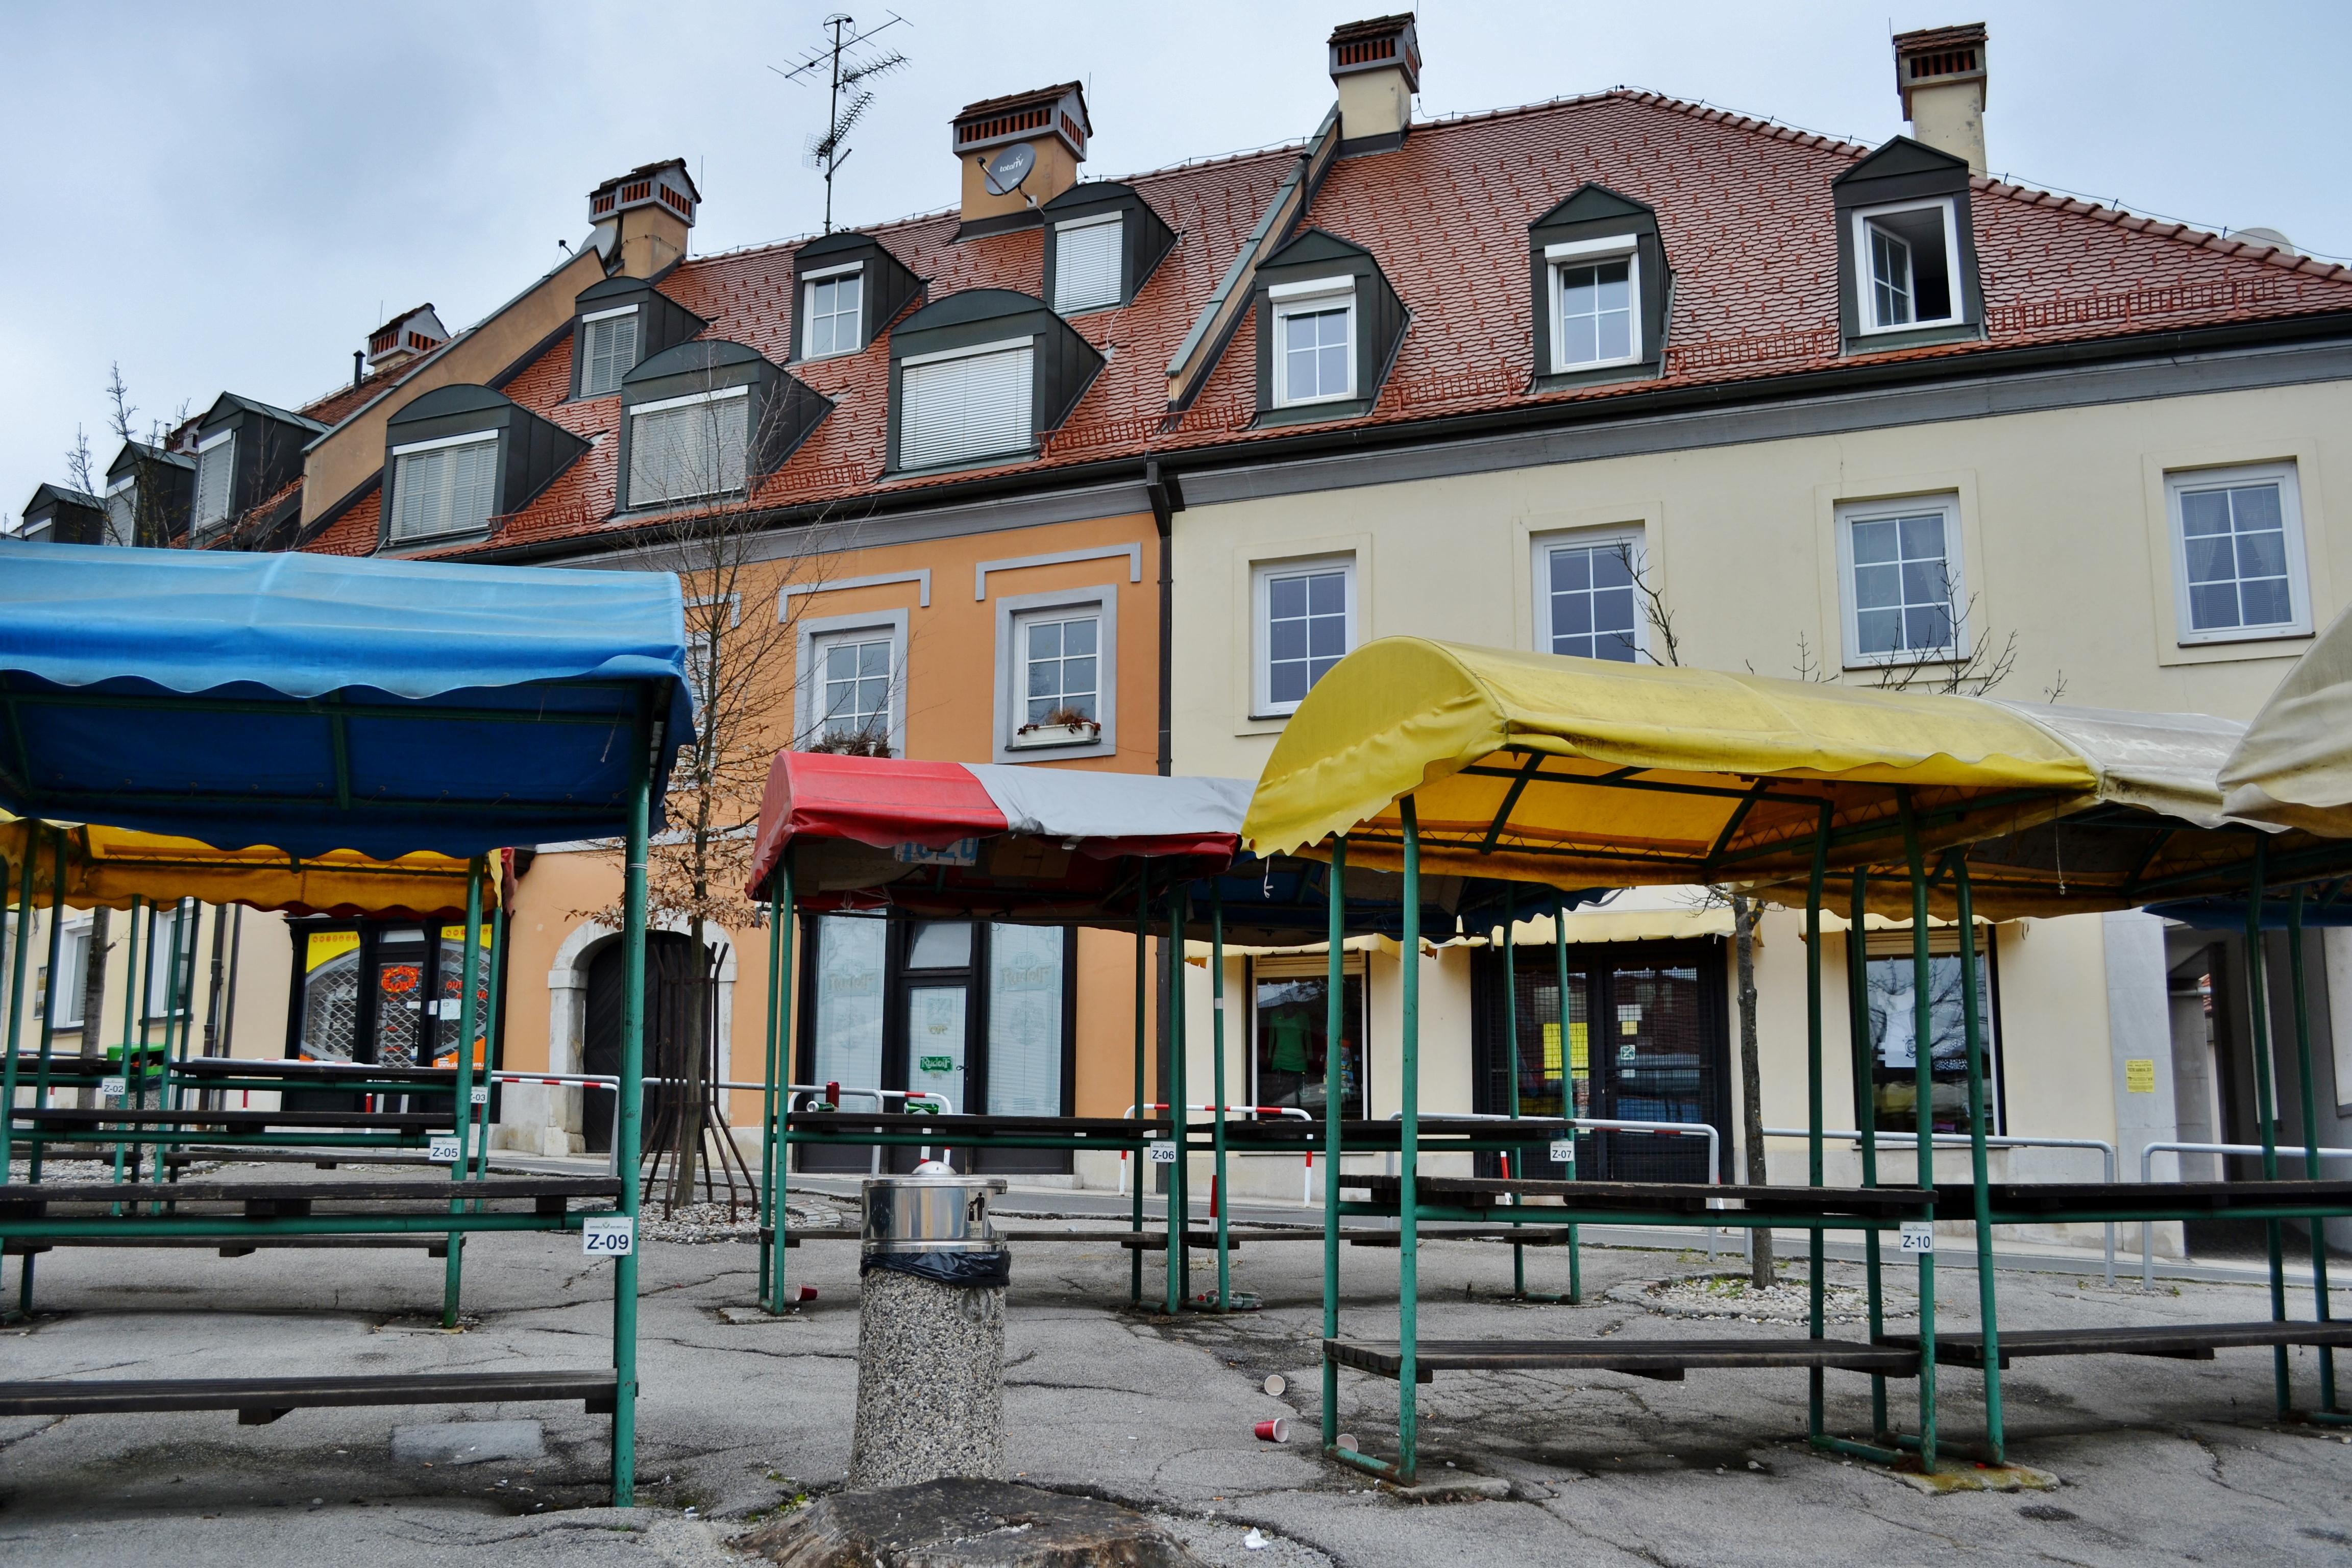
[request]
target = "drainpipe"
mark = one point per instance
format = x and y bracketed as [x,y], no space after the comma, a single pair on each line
[1167,497]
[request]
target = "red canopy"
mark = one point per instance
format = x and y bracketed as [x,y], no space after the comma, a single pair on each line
[1042,817]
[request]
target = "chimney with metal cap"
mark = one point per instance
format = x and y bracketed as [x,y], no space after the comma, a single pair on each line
[1376,66]
[1019,153]
[1940,72]
[640,219]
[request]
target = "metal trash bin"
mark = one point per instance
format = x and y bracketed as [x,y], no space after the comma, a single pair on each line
[930,1332]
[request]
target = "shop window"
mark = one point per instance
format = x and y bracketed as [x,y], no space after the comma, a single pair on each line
[1288,1035]
[1892,978]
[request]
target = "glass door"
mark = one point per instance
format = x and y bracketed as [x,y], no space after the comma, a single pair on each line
[936,1040]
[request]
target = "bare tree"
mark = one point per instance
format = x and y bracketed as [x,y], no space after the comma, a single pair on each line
[748,582]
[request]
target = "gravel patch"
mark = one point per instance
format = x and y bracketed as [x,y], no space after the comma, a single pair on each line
[1734,1296]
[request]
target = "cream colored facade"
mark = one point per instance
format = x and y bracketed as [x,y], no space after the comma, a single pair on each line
[2066,543]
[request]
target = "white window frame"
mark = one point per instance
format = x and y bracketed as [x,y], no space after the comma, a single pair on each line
[587,340]
[978,351]
[2298,576]
[1113,220]
[1262,575]
[1013,613]
[1865,300]
[74,939]
[471,438]
[1308,299]
[632,411]
[1635,537]
[1955,572]
[814,634]
[227,439]
[1557,258]
[808,283]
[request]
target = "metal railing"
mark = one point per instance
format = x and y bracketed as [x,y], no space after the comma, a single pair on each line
[2147,1163]
[1611,1124]
[1248,1113]
[1963,1141]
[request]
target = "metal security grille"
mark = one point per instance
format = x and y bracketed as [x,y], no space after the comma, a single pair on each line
[1647,1039]
[1085,265]
[973,405]
[330,1010]
[448,489]
[691,449]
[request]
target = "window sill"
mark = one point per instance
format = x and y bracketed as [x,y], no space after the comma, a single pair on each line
[1894,339]
[1314,413]
[990,460]
[1623,370]
[1055,737]
[2246,635]
[424,544]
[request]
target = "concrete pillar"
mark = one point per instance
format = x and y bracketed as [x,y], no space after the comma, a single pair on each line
[2139,1045]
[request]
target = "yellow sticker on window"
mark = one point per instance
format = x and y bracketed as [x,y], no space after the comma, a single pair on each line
[1551,1050]
[1580,1047]
[2139,1074]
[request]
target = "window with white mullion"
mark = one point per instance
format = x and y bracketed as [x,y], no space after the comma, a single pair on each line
[1087,256]
[448,489]
[1596,308]
[2238,553]
[1907,260]
[693,448]
[612,350]
[1306,624]
[1904,601]
[964,406]
[854,688]
[1061,659]
[1585,598]
[1315,349]
[830,308]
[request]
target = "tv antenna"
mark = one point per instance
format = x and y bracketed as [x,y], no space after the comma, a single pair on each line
[845,69]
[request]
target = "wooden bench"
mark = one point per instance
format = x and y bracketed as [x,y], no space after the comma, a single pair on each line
[549,1195]
[77,1118]
[1655,1197]
[2090,1201]
[1662,1360]
[231,1246]
[258,1401]
[2171,1342]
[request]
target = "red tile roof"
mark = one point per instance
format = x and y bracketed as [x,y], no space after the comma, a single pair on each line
[1744,208]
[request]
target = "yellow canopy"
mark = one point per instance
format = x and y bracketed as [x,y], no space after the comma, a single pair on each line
[2294,766]
[1582,771]
[107,865]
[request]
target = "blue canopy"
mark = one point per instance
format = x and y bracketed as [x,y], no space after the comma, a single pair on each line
[315,702]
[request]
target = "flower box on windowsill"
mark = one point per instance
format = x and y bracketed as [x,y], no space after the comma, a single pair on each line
[1080,734]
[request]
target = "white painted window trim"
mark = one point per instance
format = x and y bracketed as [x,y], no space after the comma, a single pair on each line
[467,439]
[2299,577]
[1000,346]
[1133,552]
[608,315]
[812,635]
[1012,612]
[1866,295]
[127,482]
[1100,220]
[720,395]
[921,577]
[1305,299]
[209,442]
[1956,568]
[228,497]
[1261,572]
[808,283]
[1540,547]
[1585,253]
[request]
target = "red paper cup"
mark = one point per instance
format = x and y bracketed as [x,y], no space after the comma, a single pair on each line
[1275,1431]
[808,1293]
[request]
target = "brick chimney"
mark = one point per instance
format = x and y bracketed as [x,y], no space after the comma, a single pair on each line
[640,218]
[1940,72]
[1376,66]
[409,335]
[1050,123]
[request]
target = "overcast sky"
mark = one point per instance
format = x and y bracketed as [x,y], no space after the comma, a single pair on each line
[229,198]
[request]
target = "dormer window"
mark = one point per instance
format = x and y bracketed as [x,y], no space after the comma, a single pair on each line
[447,486]
[1912,254]
[216,472]
[460,456]
[1600,282]
[1086,257]
[982,376]
[1906,259]
[682,447]
[609,341]
[708,419]
[1314,339]
[831,311]
[1597,295]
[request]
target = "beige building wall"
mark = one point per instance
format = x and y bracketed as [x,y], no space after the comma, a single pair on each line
[2066,546]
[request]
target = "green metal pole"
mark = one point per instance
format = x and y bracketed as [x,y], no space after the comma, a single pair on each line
[2310,1141]
[1866,1112]
[49,1031]
[1217,1044]
[1814,1110]
[626,1121]
[1923,1088]
[1179,1203]
[495,1015]
[773,1135]
[1567,1086]
[453,1269]
[1142,1107]
[1511,1063]
[1409,1136]
[129,1016]
[2265,1102]
[1987,1304]
[15,1028]
[173,1000]
[1334,1089]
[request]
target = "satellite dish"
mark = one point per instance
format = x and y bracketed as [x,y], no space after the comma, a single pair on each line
[1005,172]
